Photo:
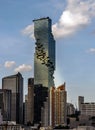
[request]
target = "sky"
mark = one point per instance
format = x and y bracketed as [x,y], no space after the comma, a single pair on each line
[73,27]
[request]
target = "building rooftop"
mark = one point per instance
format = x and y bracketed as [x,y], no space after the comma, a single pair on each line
[11,76]
[88,103]
[41,19]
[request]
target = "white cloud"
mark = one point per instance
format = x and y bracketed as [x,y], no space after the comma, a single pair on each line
[9,64]
[76,15]
[91,50]
[29,31]
[23,68]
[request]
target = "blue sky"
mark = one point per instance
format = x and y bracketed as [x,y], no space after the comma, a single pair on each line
[74,30]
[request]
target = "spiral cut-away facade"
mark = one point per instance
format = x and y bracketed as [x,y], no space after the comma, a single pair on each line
[44,56]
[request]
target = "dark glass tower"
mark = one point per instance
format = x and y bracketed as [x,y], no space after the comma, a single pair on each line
[30,102]
[5,104]
[44,57]
[15,84]
[40,94]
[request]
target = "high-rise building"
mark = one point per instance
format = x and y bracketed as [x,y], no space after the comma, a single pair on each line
[15,84]
[80,101]
[30,101]
[25,109]
[58,100]
[5,104]
[44,57]
[70,109]
[40,96]
[44,114]
[1,117]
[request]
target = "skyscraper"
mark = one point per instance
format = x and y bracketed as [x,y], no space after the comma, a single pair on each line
[15,84]
[58,100]
[44,114]
[25,109]
[1,117]
[30,101]
[80,101]
[40,96]
[44,57]
[5,104]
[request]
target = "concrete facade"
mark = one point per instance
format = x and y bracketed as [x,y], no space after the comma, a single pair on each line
[58,100]
[88,109]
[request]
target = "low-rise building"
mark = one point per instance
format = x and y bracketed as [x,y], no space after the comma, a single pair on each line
[88,109]
[9,125]
[84,128]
